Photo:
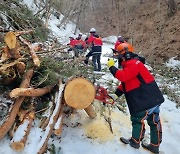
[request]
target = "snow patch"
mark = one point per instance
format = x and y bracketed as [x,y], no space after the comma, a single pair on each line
[173,63]
[20,132]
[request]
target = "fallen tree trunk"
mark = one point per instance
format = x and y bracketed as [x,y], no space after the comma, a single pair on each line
[30,91]
[32,52]
[5,127]
[41,147]
[79,93]
[20,136]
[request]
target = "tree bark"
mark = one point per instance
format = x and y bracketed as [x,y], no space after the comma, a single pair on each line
[90,111]
[30,91]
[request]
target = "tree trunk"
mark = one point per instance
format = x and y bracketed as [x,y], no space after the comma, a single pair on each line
[79,93]
[90,111]
[30,91]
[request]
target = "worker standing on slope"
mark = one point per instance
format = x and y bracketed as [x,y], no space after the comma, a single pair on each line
[143,98]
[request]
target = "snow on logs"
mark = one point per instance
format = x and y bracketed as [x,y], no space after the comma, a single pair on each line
[59,123]
[41,147]
[80,93]
[20,136]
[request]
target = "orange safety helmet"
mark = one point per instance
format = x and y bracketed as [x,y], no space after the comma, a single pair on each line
[125,46]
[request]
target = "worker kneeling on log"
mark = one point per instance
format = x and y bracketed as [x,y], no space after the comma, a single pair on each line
[143,98]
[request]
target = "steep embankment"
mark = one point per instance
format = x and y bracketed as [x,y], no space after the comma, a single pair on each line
[147,25]
[156,35]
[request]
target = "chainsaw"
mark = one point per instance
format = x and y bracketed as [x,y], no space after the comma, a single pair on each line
[103,96]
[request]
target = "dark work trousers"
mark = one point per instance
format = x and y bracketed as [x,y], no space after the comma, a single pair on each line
[96,60]
[153,119]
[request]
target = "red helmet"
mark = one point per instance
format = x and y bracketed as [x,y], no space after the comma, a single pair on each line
[123,47]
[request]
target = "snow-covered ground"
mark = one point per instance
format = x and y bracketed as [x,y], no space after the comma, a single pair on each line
[82,135]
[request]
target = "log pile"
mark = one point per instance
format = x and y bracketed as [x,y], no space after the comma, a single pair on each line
[20,62]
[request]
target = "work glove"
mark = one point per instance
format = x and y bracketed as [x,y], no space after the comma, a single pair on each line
[110,62]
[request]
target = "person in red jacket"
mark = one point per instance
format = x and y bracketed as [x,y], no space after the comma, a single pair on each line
[118,42]
[91,38]
[79,45]
[71,43]
[143,98]
[95,52]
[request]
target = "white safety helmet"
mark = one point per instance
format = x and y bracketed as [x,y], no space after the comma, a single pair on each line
[92,30]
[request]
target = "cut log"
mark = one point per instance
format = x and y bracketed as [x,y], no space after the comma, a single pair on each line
[20,136]
[90,111]
[5,127]
[32,52]
[79,93]
[41,147]
[30,91]
[10,39]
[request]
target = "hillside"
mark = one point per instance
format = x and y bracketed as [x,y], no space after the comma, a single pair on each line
[150,28]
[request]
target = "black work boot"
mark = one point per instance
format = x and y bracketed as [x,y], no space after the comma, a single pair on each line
[150,147]
[130,141]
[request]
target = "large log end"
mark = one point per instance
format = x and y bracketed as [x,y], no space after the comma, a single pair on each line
[10,39]
[79,93]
